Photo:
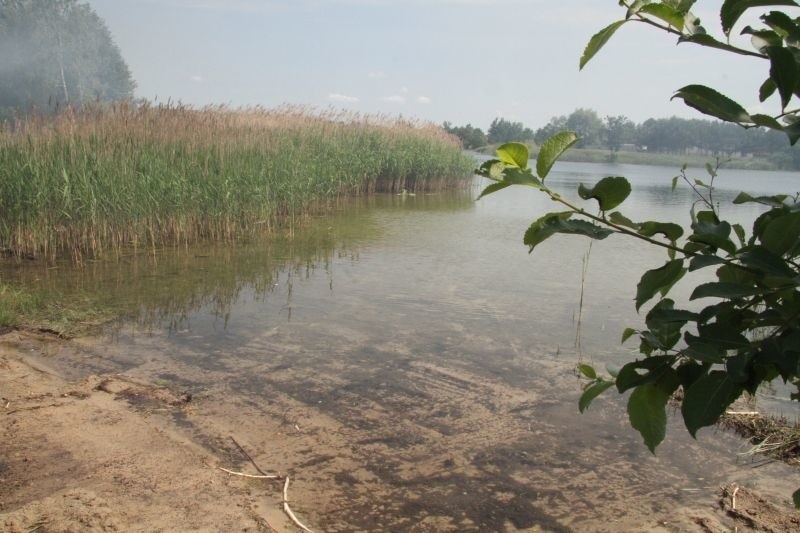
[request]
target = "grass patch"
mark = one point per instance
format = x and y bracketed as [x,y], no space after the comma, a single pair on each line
[92,182]
[775,437]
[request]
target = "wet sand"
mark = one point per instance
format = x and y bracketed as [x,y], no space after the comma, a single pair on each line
[100,437]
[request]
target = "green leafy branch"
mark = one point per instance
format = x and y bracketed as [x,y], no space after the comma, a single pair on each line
[749,334]
[757,273]
[778,42]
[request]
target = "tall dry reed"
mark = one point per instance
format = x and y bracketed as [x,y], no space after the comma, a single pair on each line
[99,180]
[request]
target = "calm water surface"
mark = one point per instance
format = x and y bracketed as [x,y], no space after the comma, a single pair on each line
[354,315]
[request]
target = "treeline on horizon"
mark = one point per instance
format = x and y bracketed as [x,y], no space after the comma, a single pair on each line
[672,135]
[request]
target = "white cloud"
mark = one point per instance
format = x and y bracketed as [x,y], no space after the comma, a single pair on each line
[376,75]
[197,78]
[424,100]
[336,97]
[404,89]
[394,99]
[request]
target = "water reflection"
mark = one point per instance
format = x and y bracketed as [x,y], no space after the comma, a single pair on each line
[166,288]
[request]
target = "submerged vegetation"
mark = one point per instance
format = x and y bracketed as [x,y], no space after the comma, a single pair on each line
[96,181]
[57,312]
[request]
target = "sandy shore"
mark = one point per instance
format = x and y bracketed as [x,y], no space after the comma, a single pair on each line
[103,454]
[109,452]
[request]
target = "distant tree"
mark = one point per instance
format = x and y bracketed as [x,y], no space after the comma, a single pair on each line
[675,135]
[667,135]
[56,53]
[587,125]
[617,131]
[555,125]
[502,131]
[471,137]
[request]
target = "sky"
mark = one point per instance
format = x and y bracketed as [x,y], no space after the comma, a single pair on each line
[462,61]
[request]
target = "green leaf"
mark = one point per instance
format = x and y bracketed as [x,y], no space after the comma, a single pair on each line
[671,231]
[591,392]
[609,192]
[645,371]
[553,223]
[721,289]
[666,13]
[701,261]
[766,90]
[740,234]
[669,316]
[587,371]
[702,351]
[597,42]
[732,10]
[792,131]
[782,24]
[761,39]
[648,415]
[712,233]
[518,176]
[783,71]
[494,187]
[682,6]
[552,149]
[771,264]
[766,121]
[692,25]
[773,201]
[492,169]
[690,371]
[665,324]
[627,334]
[708,41]
[514,154]
[659,279]
[706,400]
[635,7]
[710,102]
[782,234]
[796,498]
[720,334]
[738,367]
[621,220]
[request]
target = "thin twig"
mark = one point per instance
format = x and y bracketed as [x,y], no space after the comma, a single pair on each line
[268,476]
[733,498]
[249,458]
[35,407]
[289,510]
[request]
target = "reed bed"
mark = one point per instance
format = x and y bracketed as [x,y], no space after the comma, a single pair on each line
[100,180]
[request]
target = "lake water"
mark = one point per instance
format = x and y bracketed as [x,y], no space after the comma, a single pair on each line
[425,359]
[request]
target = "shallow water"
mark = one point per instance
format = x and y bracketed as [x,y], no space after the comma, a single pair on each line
[428,358]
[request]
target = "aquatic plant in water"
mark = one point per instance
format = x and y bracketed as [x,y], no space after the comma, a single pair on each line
[102,179]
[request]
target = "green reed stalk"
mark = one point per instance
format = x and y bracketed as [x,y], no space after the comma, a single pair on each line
[91,182]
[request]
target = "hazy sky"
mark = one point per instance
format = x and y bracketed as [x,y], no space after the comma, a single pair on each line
[457,60]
